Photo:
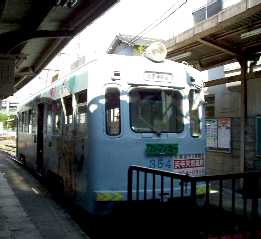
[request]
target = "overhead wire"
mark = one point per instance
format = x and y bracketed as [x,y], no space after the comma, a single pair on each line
[151,27]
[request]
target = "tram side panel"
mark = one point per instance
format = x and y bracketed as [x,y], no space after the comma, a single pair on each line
[26,136]
[87,177]
[66,140]
[81,144]
[53,142]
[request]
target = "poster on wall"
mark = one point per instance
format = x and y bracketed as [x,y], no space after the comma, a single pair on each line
[224,134]
[211,125]
[219,134]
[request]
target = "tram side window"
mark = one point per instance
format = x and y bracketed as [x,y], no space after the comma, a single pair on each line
[195,129]
[23,118]
[81,114]
[57,117]
[25,122]
[69,110]
[34,121]
[30,121]
[112,111]
[49,120]
[20,122]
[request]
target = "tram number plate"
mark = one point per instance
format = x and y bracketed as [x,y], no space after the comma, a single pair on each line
[160,163]
[161,149]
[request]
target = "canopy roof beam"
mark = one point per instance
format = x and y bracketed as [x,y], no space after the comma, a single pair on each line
[212,43]
[230,79]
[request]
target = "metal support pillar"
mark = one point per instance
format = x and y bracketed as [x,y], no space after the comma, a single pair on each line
[243,111]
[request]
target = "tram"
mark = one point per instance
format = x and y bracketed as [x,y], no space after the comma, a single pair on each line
[85,130]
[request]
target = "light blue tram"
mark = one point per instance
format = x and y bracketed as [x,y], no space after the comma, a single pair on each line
[86,130]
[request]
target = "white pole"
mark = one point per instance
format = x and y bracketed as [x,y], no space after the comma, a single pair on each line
[206,9]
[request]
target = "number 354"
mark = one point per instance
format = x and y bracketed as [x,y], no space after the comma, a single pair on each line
[160,163]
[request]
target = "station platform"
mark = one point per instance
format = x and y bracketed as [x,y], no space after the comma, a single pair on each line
[15,223]
[27,210]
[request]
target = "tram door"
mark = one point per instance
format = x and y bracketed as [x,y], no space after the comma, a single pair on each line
[40,124]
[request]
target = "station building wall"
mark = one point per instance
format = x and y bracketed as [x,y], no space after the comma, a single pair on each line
[227,104]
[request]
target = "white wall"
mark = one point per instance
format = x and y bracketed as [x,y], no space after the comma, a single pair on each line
[227,103]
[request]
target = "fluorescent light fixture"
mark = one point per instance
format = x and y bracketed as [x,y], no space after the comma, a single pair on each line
[181,56]
[251,33]
[35,191]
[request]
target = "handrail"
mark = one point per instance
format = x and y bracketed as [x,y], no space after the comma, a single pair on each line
[250,190]
[197,178]
[163,186]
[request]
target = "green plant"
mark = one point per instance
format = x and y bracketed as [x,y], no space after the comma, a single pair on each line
[8,120]
[3,117]
[139,49]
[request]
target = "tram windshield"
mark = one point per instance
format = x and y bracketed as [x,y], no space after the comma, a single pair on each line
[156,111]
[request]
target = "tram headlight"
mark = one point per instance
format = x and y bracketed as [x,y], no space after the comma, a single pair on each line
[93,107]
[156,52]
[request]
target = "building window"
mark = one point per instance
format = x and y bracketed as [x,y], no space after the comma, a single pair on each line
[210,106]
[112,111]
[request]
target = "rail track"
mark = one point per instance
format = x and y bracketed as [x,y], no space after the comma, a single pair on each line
[9,148]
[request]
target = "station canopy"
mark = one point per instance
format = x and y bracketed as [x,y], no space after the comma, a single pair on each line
[225,37]
[32,32]
[233,34]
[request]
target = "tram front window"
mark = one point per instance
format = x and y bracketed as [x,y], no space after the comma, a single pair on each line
[156,110]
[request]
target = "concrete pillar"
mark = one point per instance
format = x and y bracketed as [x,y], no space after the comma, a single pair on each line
[243,111]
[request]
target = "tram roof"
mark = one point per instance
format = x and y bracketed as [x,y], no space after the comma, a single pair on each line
[115,63]
[225,37]
[33,32]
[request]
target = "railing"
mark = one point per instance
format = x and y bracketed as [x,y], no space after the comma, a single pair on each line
[237,193]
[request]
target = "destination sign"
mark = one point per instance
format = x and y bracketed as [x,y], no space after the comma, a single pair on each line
[161,149]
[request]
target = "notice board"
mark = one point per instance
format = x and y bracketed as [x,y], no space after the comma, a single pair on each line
[211,133]
[224,134]
[219,134]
